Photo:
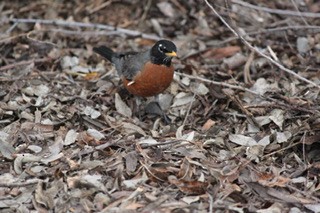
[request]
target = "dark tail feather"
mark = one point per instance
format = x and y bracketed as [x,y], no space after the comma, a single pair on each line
[105,52]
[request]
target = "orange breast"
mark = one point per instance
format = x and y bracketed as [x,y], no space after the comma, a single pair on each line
[153,80]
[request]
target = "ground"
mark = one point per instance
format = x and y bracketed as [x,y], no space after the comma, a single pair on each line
[244,108]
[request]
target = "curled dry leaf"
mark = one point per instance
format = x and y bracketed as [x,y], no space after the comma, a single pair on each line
[189,187]
[89,111]
[165,101]
[191,199]
[148,141]
[207,125]
[312,207]
[122,107]
[255,152]
[42,197]
[70,138]
[222,52]
[41,90]
[242,140]
[277,116]
[132,128]
[182,99]
[261,86]
[201,89]
[6,149]
[166,8]
[95,134]
[137,181]
[276,207]
[24,158]
[282,137]
[51,158]
[159,172]
[69,62]
[131,162]
[7,178]
[35,148]
[303,45]
[235,61]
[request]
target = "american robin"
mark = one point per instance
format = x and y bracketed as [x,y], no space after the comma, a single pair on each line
[146,73]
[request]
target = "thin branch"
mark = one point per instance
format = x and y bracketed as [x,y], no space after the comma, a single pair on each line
[189,109]
[24,63]
[20,184]
[297,9]
[298,27]
[87,25]
[276,11]
[223,84]
[280,66]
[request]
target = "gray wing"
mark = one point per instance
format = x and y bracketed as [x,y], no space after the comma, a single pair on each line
[129,64]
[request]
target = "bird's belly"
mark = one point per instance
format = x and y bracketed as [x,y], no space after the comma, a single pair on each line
[152,81]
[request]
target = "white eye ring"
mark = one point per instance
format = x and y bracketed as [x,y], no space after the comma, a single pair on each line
[160,48]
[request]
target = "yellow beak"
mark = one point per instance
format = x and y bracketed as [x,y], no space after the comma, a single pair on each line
[172,54]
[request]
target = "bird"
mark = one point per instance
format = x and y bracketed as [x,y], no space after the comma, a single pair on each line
[146,73]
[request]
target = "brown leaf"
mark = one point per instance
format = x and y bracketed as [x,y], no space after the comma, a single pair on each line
[207,125]
[131,162]
[185,171]
[189,187]
[159,171]
[222,52]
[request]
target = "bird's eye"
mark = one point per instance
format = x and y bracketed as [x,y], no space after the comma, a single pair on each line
[162,49]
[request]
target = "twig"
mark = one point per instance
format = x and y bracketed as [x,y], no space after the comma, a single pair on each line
[87,25]
[81,33]
[99,7]
[276,11]
[218,83]
[280,66]
[189,110]
[210,203]
[19,184]
[235,99]
[8,31]
[296,7]
[298,27]
[280,150]
[246,69]
[23,63]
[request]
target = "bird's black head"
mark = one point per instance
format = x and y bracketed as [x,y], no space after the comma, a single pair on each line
[162,52]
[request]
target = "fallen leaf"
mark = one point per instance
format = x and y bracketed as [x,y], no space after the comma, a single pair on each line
[277,116]
[242,140]
[189,187]
[95,134]
[70,138]
[207,125]
[132,128]
[122,107]
[222,52]
[166,8]
[89,111]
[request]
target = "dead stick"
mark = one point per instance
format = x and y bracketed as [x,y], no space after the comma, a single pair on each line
[20,184]
[23,63]
[218,83]
[87,25]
